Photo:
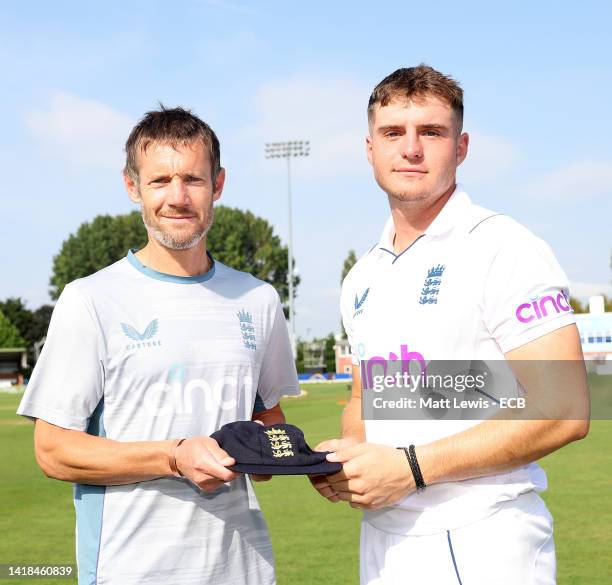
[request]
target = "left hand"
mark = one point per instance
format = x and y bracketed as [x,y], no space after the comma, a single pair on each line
[320,482]
[372,477]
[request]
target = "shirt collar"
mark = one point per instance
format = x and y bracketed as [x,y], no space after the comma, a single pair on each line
[136,263]
[448,217]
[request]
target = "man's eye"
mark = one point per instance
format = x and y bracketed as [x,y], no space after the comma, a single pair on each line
[392,134]
[196,180]
[160,181]
[431,133]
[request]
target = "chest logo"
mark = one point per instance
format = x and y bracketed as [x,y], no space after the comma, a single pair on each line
[144,339]
[246,329]
[431,286]
[148,333]
[359,302]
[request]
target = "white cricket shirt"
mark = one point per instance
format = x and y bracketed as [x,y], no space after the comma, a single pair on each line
[137,355]
[474,286]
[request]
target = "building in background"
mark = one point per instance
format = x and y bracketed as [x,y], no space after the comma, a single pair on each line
[344,361]
[595,329]
[314,356]
[13,361]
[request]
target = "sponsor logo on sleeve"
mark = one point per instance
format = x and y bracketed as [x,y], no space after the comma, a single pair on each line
[542,307]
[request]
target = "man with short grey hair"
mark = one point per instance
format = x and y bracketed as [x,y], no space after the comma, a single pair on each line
[143,361]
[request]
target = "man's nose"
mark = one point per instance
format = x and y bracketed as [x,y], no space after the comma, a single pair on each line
[412,149]
[178,192]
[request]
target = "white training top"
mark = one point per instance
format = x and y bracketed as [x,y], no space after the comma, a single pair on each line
[474,286]
[137,355]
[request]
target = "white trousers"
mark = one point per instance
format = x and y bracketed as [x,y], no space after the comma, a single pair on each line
[513,546]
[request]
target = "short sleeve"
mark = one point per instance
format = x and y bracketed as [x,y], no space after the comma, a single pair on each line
[277,376]
[526,293]
[346,310]
[68,380]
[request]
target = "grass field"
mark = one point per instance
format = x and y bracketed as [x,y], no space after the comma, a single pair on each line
[314,541]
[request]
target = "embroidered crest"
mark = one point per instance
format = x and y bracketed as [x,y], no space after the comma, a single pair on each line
[246,329]
[279,442]
[431,286]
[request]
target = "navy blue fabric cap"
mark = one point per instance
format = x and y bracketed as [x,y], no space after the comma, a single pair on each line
[278,449]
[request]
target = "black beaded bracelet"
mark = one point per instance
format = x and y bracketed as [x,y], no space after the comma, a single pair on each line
[410,453]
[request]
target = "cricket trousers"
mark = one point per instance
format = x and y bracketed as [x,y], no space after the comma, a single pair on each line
[513,546]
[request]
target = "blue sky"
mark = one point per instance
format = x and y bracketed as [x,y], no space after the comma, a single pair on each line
[76,76]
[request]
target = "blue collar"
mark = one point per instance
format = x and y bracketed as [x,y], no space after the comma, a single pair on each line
[131,258]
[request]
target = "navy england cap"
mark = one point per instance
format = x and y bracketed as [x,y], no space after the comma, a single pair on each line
[278,449]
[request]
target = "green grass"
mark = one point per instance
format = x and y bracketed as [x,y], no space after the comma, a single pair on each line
[314,541]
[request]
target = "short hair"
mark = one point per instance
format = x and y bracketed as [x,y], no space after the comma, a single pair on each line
[418,82]
[172,126]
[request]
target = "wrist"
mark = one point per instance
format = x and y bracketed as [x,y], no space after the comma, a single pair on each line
[414,467]
[172,463]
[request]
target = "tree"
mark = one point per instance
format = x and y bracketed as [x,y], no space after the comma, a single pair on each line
[247,242]
[40,323]
[329,353]
[349,262]
[237,238]
[577,305]
[94,246]
[584,307]
[9,334]
[299,358]
[15,310]
[31,325]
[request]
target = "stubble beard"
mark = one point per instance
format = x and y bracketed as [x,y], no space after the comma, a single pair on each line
[405,196]
[174,241]
[418,195]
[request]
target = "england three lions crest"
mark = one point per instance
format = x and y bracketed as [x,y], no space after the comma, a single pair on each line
[245,319]
[431,286]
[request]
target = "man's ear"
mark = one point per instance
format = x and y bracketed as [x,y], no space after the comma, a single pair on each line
[368,142]
[218,187]
[462,147]
[131,187]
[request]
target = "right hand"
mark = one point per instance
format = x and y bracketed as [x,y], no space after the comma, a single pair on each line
[201,460]
[319,482]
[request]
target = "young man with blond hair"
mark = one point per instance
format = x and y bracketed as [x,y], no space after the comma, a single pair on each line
[449,280]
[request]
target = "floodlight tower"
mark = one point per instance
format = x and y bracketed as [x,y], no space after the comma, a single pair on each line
[288,150]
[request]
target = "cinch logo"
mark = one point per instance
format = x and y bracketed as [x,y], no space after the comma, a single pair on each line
[178,394]
[144,337]
[538,308]
[359,302]
[405,357]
